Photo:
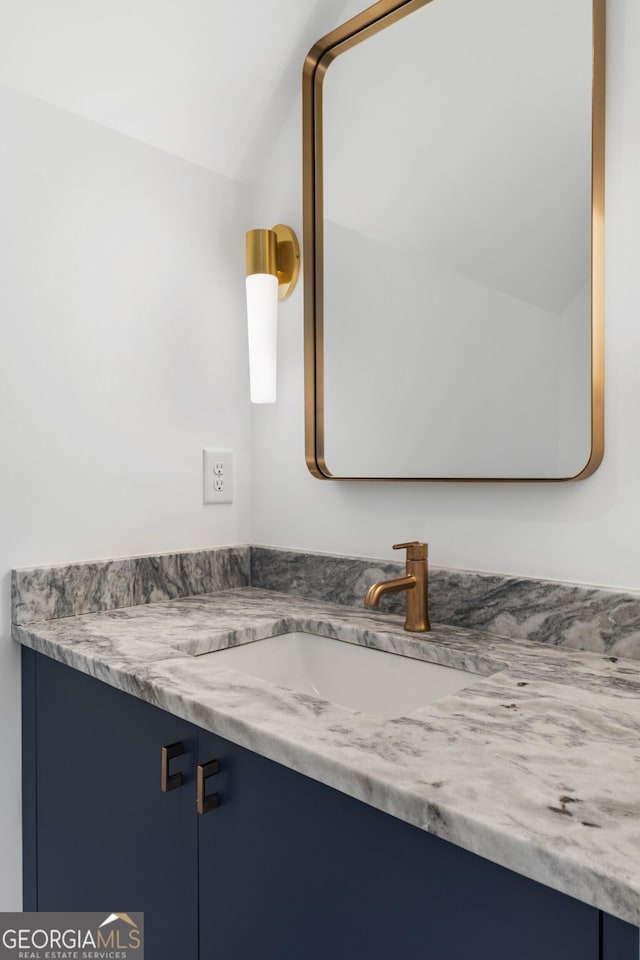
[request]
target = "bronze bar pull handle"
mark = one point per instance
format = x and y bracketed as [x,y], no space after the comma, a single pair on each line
[169,781]
[205,772]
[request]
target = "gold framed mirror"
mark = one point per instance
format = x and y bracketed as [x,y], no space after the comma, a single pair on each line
[453,176]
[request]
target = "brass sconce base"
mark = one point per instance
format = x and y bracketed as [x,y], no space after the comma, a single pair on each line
[275,251]
[288,260]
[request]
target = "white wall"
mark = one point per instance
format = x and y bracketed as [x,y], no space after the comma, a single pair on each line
[123,353]
[123,348]
[205,80]
[587,531]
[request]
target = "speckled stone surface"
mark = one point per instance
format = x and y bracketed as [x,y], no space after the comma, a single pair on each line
[68,590]
[536,766]
[560,614]
[557,614]
[173,575]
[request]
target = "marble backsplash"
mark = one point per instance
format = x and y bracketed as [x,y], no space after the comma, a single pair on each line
[69,590]
[554,613]
[560,614]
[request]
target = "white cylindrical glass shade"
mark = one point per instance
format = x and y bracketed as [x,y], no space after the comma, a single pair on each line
[262,316]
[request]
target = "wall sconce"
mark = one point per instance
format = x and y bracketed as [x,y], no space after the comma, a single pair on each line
[273,265]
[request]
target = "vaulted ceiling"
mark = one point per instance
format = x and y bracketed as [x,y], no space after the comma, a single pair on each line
[208,81]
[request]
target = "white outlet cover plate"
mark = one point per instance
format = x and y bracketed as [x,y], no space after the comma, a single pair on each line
[217,476]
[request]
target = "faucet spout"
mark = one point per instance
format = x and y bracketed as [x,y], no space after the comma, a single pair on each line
[374,593]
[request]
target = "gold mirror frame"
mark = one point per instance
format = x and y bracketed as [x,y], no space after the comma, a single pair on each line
[355,31]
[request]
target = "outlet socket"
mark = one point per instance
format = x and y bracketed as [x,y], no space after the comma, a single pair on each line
[217,476]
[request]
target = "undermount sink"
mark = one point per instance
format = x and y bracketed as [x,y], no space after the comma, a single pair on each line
[384,684]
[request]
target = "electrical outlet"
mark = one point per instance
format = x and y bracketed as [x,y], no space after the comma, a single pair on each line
[217,476]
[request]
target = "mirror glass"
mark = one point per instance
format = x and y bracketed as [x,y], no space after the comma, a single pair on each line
[452,294]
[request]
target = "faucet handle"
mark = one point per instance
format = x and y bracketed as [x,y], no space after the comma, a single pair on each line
[416,550]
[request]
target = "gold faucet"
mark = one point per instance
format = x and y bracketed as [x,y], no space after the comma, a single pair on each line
[415,583]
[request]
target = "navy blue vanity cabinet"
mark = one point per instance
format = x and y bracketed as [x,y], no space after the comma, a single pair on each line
[100,835]
[311,873]
[248,860]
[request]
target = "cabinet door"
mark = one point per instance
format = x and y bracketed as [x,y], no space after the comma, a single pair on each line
[620,940]
[108,838]
[292,869]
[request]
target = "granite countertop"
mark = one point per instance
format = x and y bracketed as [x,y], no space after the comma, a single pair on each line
[536,766]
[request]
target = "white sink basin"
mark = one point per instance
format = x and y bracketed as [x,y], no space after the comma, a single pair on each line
[373,681]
